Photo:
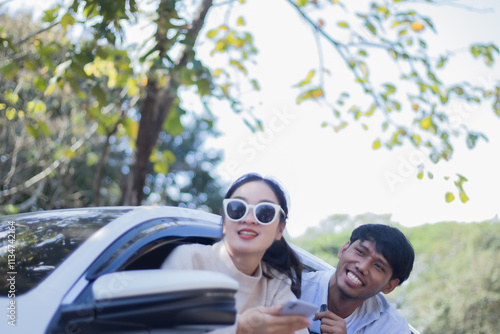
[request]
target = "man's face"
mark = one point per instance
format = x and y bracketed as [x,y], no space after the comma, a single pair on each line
[362,272]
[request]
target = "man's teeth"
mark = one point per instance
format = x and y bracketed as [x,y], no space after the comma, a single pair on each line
[353,278]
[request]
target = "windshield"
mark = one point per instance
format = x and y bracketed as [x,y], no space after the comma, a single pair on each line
[33,244]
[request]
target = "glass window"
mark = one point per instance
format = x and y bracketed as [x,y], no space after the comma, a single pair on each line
[32,245]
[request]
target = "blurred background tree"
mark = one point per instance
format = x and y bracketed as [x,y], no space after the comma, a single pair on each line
[455,283]
[60,150]
[117,101]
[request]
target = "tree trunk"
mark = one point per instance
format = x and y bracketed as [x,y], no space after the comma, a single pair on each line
[156,106]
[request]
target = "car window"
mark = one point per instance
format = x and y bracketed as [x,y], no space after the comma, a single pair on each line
[32,245]
[134,248]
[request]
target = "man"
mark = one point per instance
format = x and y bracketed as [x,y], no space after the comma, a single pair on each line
[377,258]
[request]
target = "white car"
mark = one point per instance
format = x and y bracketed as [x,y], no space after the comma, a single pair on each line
[95,270]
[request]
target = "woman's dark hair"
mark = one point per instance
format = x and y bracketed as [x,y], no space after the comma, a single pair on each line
[279,255]
[392,244]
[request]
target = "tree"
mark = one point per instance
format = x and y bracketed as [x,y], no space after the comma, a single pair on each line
[454,287]
[60,150]
[168,69]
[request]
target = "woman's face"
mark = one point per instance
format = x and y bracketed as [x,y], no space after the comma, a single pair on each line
[246,237]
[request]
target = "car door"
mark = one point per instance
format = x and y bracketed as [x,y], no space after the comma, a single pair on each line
[134,259]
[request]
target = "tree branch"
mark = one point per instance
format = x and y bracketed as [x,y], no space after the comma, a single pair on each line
[53,166]
[30,36]
[157,104]
[29,202]
[102,161]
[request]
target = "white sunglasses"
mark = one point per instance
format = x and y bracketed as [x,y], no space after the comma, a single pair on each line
[265,213]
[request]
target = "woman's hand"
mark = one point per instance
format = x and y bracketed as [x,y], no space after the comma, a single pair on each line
[331,323]
[265,320]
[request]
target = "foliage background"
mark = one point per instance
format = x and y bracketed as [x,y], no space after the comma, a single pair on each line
[455,283]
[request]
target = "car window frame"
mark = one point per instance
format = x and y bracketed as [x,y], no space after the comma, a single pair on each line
[125,247]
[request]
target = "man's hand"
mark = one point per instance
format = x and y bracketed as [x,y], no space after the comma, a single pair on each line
[331,323]
[265,320]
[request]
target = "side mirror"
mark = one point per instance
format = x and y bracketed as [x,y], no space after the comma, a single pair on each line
[143,300]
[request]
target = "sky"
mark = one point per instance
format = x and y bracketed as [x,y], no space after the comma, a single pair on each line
[327,173]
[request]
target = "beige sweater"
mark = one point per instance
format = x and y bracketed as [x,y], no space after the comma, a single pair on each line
[254,291]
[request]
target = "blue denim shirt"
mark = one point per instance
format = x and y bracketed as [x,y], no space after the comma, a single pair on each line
[375,316]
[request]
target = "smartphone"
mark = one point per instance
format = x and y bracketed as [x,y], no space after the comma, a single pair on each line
[299,307]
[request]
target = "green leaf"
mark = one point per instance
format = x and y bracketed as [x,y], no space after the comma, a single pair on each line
[496,102]
[33,131]
[10,70]
[4,40]
[12,97]
[212,33]
[10,209]
[310,94]
[416,140]
[238,65]
[99,94]
[50,88]
[459,90]
[396,105]
[376,144]
[162,164]
[463,197]
[475,50]
[255,84]
[78,69]
[371,27]
[363,68]
[37,107]
[385,126]
[371,111]
[343,24]
[40,83]
[426,123]
[442,62]
[443,98]
[173,124]
[50,15]
[131,127]
[44,129]
[169,157]
[92,159]
[160,168]
[390,89]
[203,87]
[429,23]
[29,65]
[307,80]
[67,20]
[449,197]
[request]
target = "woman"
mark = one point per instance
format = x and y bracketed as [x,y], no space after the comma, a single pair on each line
[254,252]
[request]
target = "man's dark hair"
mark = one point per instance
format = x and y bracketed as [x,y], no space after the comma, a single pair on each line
[392,244]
